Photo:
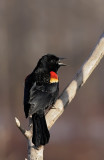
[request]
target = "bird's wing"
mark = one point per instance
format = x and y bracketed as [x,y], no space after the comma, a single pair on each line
[27,87]
[42,96]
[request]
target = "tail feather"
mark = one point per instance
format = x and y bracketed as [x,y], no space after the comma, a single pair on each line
[41,134]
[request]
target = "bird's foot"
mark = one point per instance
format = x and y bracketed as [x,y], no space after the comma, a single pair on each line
[53,107]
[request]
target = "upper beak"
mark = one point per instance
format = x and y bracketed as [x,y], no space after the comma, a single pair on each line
[61,63]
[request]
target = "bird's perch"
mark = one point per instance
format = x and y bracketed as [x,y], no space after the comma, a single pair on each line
[66,97]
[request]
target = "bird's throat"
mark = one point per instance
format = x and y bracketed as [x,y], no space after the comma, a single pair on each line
[53,77]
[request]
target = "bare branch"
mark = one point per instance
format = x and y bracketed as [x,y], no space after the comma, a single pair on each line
[34,154]
[80,78]
[26,133]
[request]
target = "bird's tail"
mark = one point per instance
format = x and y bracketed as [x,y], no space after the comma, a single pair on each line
[41,134]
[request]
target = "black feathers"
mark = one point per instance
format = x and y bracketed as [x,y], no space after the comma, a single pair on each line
[39,94]
[41,134]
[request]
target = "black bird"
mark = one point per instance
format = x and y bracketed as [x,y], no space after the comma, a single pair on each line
[40,92]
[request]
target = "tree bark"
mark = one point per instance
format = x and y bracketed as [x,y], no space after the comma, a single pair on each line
[34,154]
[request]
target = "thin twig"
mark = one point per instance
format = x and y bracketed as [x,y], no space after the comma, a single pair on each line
[26,133]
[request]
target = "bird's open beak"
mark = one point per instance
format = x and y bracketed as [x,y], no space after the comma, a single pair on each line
[61,63]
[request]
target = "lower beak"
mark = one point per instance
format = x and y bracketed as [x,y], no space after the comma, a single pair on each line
[62,64]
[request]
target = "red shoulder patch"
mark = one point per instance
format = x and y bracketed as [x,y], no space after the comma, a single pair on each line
[53,77]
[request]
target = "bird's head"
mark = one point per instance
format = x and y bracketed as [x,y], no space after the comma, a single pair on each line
[50,62]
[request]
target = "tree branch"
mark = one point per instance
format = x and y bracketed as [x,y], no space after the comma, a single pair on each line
[66,97]
[80,78]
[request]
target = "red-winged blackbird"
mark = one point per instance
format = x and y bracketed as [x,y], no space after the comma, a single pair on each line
[40,92]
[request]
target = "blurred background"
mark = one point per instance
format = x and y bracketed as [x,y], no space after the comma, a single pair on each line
[66,28]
